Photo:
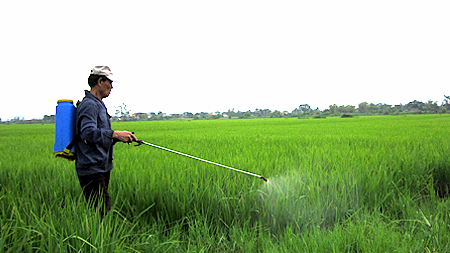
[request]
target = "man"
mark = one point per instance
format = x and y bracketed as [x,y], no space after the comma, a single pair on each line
[94,146]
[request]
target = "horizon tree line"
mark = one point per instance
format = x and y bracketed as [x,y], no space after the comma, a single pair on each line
[302,111]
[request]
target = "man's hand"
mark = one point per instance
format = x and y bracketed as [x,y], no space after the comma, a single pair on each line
[124,136]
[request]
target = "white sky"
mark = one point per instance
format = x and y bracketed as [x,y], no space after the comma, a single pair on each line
[206,56]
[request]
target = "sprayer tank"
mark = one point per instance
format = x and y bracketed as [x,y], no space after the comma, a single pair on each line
[64,124]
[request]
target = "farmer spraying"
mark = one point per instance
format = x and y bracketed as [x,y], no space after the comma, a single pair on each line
[95,139]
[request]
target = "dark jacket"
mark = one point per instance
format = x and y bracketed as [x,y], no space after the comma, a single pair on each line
[94,147]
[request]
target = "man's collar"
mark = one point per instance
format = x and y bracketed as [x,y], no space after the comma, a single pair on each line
[91,96]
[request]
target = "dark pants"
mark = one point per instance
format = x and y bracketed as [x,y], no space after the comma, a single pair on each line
[96,185]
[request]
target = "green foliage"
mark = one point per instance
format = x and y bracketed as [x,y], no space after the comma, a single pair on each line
[361,184]
[122,114]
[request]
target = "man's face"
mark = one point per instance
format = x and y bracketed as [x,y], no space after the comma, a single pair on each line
[106,87]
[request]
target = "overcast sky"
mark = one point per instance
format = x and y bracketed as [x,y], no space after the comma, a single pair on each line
[207,56]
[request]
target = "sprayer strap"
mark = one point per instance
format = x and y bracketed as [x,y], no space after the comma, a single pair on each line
[72,143]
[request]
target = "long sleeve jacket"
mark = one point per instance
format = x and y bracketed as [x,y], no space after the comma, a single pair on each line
[94,147]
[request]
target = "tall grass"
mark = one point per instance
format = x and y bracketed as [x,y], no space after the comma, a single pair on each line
[365,184]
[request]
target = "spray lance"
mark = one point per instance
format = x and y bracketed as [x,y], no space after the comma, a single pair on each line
[140,142]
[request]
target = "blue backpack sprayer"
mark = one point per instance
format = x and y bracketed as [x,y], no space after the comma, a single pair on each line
[65,121]
[65,137]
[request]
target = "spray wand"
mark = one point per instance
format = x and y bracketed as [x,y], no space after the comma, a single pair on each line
[140,142]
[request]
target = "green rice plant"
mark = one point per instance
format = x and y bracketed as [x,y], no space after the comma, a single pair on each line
[361,184]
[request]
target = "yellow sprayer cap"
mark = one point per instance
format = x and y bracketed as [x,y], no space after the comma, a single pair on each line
[65,100]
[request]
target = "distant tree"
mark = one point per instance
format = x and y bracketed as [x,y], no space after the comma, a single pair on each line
[430,107]
[141,116]
[49,118]
[304,109]
[446,103]
[346,109]
[414,106]
[188,115]
[317,111]
[247,114]
[398,108]
[231,113]
[265,112]
[363,107]
[201,115]
[276,114]
[257,113]
[217,115]
[333,109]
[176,116]
[384,108]
[18,119]
[122,113]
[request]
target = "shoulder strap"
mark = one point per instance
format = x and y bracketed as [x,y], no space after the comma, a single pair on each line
[67,150]
[70,146]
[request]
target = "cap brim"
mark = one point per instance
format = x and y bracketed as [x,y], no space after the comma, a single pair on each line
[111,78]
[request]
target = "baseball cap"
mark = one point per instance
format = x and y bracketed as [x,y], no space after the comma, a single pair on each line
[103,71]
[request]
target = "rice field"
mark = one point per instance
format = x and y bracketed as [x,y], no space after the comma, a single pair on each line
[363,184]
